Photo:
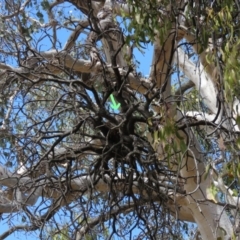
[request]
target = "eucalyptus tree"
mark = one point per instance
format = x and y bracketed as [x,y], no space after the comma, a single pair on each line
[92,148]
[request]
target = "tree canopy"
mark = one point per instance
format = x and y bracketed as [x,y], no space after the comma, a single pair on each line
[90,148]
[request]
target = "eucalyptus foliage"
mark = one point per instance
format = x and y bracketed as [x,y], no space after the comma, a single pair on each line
[165,165]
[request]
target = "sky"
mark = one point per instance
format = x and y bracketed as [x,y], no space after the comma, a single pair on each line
[144,60]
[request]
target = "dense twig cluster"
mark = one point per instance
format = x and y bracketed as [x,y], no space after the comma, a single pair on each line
[70,157]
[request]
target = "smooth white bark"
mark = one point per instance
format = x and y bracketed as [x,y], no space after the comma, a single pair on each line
[203,82]
[194,204]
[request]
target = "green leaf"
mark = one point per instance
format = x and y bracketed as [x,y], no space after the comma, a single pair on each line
[45,5]
[39,14]
[238,120]
[24,219]
[207,170]
[211,193]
